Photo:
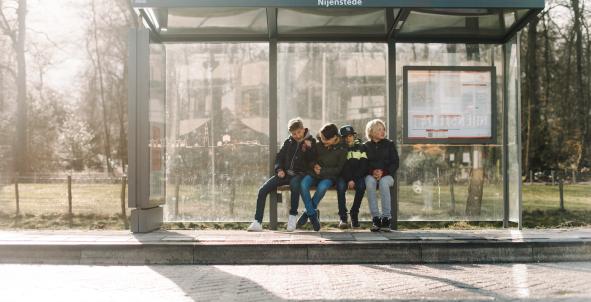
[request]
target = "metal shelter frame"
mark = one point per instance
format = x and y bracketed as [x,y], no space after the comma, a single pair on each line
[148,215]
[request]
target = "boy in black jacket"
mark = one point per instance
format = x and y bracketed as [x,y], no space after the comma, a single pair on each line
[382,159]
[291,163]
[352,176]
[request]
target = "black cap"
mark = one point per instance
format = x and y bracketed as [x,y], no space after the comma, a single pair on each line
[346,130]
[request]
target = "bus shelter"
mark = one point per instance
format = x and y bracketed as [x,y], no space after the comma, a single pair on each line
[212,85]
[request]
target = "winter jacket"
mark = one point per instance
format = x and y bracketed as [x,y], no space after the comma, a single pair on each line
[292,158]
[331,160]
[382,155]
[356,164]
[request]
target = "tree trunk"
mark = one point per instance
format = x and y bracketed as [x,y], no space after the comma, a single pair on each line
[99,67]
[1,91]
[474,201]
[532,95]
[21,121]
[122,117]
[579,86]
[566,110]
[476,185]
[587,132]
[546,105]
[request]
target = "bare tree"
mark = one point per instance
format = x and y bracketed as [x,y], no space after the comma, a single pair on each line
[99,68]
[17,34]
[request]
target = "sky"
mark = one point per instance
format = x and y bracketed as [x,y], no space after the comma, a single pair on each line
[62,22]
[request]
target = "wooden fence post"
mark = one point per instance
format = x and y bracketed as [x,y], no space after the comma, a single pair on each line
[70,200]
[18,207]
[70,195]
[123,214]
[561,189]
[177,195]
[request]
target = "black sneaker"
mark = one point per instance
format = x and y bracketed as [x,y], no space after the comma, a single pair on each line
[376,224]
[315,223]
[385,224]
[354,220]
[302,220]
[318,215]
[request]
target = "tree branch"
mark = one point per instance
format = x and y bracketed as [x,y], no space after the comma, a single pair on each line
[10,70]
[5,26]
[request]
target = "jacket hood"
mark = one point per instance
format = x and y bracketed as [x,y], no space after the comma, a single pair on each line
[307,135]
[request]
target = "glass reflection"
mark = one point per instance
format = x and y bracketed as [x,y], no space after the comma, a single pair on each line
[450,182]
[157,124]
[341,83]
[217,113]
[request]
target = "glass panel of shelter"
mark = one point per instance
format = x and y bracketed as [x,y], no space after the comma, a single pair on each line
[157,123]
[218,117]
[217,112]
[450,23]
[215,20]
[434,179]
[341,83]
[330,21]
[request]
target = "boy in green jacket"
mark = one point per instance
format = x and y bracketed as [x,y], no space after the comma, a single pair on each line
[330,159]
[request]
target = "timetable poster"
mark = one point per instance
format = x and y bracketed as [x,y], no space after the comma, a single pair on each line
[449,104]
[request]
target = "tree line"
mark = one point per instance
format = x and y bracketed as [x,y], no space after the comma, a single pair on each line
[43,129]
[556,88]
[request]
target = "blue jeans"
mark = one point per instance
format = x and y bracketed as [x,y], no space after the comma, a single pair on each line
[272,184]
[342,186]
[384,185]
[322,186]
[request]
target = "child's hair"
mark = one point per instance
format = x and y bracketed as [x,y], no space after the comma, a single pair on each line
[295,124]
[329,131]
[371,127]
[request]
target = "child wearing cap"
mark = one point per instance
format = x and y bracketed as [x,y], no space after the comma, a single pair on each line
[330,159]
[382,159]
[352,176]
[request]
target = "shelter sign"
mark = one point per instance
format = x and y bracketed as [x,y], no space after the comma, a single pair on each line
[449,104]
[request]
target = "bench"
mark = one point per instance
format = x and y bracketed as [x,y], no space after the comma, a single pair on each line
[277,197]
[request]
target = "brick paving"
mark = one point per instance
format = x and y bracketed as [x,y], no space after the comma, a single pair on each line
[568,281]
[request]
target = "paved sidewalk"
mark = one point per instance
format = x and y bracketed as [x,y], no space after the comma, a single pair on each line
[277,247]
[501,282]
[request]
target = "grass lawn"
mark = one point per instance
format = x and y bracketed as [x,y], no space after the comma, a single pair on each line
[546,197]
[98,205]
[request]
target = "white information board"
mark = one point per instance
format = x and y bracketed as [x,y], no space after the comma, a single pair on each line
[454,104]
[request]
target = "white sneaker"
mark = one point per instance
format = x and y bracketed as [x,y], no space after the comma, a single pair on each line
[255,226]
[291,223]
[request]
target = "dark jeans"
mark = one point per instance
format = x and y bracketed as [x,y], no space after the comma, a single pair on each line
[342,186]
[272,184]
